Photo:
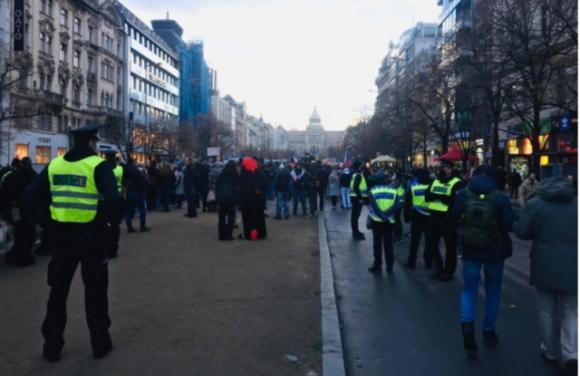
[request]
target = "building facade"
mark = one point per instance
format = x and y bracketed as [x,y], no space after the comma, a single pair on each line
[152,78]
[314,141]
[71,67]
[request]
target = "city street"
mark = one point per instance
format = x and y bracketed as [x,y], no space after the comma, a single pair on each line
[182,303]
[408,324]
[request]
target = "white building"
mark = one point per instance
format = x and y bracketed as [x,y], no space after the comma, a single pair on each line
[314,140]
[152,89]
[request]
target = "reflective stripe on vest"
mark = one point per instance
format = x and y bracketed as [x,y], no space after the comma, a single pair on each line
[362,187]
[418,194]
[385,200]
[118,171]
[442,189]
[74,193]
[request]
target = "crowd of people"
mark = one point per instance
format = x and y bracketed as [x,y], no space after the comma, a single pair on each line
[80,199]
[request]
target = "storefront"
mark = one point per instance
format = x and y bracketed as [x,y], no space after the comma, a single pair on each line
[40,147]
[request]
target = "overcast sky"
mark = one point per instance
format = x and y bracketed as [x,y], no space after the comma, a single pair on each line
[283,57]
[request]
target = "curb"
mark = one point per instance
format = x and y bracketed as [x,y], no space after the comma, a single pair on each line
[332,354]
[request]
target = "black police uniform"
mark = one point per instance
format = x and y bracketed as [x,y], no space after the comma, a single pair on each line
[75,243]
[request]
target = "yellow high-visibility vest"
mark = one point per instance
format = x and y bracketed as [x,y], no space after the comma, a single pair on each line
[118,172]
[74,193]
[384,199]
[362,186]
[443,189]
[418,195]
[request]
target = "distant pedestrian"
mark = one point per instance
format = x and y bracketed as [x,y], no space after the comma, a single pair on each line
[384,203]
[515,180]
[252,191]
[227,194]
[417,212]
[179,188]
[190,185]
[136,188]
[485,217]
[152,186]
[550,220]
[528,189]
[166,184]
[359,197]
[282,182]
[501,178]
[333,187]
[298,188]
[344,181]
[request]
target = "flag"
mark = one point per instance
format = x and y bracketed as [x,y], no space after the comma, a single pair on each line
[345,160]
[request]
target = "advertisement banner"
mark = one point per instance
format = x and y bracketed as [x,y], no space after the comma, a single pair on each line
[18,25]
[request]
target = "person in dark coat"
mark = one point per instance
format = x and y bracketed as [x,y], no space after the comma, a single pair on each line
[227,196]
[550,220]
[152,186]
[190,185]
[24,227]
[515,180]
[282,183]
[166,184]
[483,212]
[202,184]
[310,184]
[252,184]
[136,184]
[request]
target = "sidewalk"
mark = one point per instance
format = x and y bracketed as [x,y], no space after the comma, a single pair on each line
[182,303]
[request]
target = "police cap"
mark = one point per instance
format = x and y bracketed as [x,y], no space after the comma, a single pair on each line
[90,132]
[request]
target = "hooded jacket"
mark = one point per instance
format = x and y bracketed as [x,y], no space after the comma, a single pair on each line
[500,249]
[550,220]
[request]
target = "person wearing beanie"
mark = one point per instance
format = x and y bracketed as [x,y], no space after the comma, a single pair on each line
[485,217]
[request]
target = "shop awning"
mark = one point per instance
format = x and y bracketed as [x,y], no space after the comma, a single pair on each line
[384,159]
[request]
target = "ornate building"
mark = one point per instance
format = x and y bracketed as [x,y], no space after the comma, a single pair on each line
[314,140]
[69,68]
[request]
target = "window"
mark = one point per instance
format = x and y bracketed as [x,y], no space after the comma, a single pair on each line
[76,59]
[45,43]
[90,95]
[46,7]
[62,124]
[63,17]
[77,96]
[60,152]
[20,151]
[107,71]
[63,51]
[42,155]
[91,63]
[108,42]
[77,25]
[92,34]
[44,122]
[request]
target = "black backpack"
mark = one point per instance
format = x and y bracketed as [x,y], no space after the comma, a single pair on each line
[480,222]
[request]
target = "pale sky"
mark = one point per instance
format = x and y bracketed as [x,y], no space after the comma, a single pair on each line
[283,57]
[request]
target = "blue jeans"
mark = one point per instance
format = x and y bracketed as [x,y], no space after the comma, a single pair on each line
[299,196]
[135,200]
[493,277]
[345,197]
[282,204]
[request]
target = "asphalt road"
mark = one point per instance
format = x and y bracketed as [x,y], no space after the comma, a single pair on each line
[408,324]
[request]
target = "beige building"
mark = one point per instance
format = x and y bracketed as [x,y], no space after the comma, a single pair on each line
[72,63]
[314,140]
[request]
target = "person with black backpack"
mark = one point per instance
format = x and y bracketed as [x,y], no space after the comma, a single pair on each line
[485,218]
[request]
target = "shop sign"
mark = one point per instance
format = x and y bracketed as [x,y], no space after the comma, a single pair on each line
[18,25]
[565,123]
[44,140]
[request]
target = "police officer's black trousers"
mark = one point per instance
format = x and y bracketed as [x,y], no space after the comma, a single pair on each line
[115,235]
[71,248]
[419,223]
[442,227]
[226,220]
[383,240]
[191,198]
[355,214]
[398,226]
[24,238]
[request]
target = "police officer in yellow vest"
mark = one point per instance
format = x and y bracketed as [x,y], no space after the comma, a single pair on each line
[398,182]
[358,197]
[440,197]
[417,212]
[384,203]
[118,171]
[80,192]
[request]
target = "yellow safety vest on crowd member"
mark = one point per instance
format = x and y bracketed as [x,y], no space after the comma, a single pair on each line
[74,193]
[418,195]
[118,172]
[362,185]
[442,189]
[383,200]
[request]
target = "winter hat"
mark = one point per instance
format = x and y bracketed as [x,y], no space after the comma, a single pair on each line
[250,164]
